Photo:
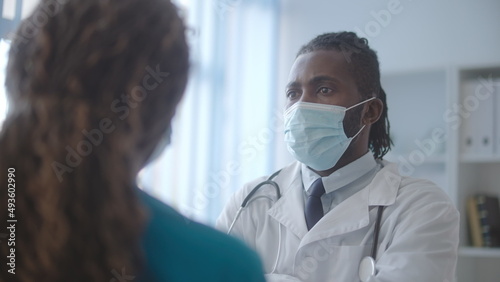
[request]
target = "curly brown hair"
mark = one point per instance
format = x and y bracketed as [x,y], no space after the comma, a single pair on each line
[92,89]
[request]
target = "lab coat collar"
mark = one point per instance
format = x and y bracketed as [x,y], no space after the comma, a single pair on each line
[384,187]
[341,177]
[353,213]
[289,209]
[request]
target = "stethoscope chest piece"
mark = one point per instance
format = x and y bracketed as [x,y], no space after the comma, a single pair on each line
[366,268]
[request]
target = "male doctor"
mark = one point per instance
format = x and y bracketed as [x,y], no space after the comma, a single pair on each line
[323,225]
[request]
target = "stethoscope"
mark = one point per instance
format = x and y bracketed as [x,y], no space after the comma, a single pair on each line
[366,265]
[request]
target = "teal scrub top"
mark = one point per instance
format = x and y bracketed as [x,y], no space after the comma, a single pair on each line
[178,249]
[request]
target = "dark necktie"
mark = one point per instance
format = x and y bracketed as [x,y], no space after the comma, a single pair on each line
[314,207]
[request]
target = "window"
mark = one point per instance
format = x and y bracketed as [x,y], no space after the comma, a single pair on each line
[4,47]
[224,129]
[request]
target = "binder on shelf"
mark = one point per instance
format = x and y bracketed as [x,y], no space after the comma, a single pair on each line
[477,116]
[496,120]
[474,224]
[483,214]
[466,136]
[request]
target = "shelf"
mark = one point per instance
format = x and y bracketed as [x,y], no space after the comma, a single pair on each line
[479,159]
[479,252]
[429,146]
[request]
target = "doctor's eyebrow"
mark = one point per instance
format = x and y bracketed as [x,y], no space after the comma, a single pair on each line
[323,78]
[293,84]
[315,80]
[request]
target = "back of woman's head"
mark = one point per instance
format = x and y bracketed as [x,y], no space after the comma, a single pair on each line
[92,87]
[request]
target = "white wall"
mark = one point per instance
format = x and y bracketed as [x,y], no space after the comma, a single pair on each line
[418,35]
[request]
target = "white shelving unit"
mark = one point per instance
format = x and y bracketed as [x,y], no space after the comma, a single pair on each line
[473,173]
[421,102]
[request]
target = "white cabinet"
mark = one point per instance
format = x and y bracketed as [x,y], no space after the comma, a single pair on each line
[476,169]
[463,103]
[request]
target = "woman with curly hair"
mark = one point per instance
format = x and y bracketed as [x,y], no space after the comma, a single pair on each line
[93,86]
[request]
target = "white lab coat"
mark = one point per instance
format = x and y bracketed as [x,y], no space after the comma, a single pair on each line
[418,237]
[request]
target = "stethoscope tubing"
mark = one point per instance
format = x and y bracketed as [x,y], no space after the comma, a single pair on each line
[376,231]
[249,198]
[256,188]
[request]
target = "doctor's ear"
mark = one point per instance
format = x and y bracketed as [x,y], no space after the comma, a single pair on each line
[372,111]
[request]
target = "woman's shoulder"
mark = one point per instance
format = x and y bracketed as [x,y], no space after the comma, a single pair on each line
[180,249]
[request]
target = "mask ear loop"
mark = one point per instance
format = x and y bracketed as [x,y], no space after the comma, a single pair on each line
[364,125]
[362,102]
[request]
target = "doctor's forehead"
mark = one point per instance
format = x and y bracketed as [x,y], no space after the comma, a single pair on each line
[319,63]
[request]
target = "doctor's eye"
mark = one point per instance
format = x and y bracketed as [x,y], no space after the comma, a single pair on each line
[291,94]
[324,90]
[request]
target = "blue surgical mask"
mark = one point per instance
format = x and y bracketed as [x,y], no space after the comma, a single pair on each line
[314,133]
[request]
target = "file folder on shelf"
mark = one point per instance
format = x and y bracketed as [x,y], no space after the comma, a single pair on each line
[496,120]
[477,113]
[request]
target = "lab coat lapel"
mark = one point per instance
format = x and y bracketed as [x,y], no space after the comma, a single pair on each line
[385,186]
[353,213]
[289,209]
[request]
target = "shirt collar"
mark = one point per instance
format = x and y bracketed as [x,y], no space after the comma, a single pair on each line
[341,177]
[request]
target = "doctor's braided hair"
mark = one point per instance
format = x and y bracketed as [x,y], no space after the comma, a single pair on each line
[91,91]
[364,67]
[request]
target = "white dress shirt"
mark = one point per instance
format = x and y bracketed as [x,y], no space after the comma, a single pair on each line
[342,183]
